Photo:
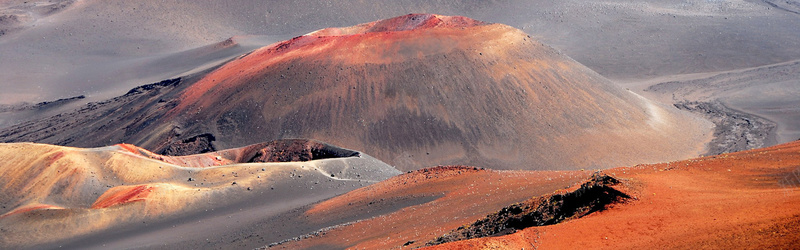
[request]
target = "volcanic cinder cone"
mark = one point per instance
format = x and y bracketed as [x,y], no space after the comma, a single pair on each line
[414,91]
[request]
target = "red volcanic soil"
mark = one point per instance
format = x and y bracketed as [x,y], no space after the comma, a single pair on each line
[381,39]
[419,206]
[122,195]
[402,23]
[747,199]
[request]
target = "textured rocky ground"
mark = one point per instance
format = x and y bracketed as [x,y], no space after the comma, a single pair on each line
[751,108]
[735,130]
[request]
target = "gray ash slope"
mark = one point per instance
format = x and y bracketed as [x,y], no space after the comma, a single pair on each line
[752,108]
[95,119]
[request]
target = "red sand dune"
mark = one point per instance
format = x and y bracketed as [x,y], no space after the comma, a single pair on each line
[123,194]
[747,199]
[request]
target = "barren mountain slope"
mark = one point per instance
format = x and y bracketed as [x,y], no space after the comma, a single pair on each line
[414,91]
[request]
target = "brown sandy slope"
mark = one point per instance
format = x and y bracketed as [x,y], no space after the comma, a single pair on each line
[741,200]
[414,91]
[52,195]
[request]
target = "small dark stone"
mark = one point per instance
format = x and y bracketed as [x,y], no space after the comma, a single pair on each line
[234,183]
[190,179]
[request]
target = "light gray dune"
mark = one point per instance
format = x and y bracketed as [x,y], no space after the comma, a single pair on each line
[135,198]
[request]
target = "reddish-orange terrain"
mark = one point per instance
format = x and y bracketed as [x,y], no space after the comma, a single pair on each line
[740,200]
